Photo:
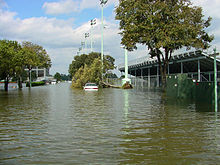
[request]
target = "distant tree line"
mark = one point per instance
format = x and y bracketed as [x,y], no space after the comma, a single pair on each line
[88,68]
[15,58]
[62,77]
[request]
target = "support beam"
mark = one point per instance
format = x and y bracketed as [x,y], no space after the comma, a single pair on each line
[199,76]
[148,77]
[181,68]
[135,77]
[37,71]
[158,83]
[44,73]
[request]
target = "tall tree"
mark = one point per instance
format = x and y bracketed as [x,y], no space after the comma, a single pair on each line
[8,51]
[84,59]
[163,26]
[86,68]
[35,56]
[57,76]
[87,73]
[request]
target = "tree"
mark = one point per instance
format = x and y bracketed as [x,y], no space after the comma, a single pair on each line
[14,58]
[88,74]
[57,76]
[35,56]
[82,60]
[163,26]
[88,68]
[9,50]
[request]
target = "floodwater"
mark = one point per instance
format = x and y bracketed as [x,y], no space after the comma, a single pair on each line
[58,125]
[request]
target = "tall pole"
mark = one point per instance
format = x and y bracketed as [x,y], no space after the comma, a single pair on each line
[85,47]
[86,35]
[102,2]
[126,63]
[91,39]
[126,79]
[30,68]
[102,49]
[93,22]
[82,44]
[215,80]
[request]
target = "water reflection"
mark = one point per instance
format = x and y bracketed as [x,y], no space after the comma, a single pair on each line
[60,125]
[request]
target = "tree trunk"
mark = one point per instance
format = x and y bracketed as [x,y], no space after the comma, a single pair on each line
[20,82]
[6,84]
[163,64]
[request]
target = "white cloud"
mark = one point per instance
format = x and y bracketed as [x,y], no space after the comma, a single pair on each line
[69,6]
[61,40]
[58,37]
[210,7]
[62,7]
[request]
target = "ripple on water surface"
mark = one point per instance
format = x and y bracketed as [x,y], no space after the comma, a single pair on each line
[59,125]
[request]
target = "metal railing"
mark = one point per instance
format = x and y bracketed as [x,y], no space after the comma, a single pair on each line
[152,81]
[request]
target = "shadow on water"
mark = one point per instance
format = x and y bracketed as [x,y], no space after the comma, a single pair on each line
[194,104]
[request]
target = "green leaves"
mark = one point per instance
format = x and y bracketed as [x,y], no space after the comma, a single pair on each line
[88,68]
[9,51]
[14,58]
[162,25]
[35,55]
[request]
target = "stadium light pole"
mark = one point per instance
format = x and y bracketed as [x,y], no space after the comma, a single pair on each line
[92,22]
[86,36]
[102,3]
[82,44]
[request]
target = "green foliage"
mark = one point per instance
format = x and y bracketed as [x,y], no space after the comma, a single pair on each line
[65,77]
[88,68]
[87,73]
[33,84]
[111,75]
[9,54]
[57,76]
[35,55]
[14,58]
[163,26]
[81,60]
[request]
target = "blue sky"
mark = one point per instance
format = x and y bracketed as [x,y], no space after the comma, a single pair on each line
[59,26]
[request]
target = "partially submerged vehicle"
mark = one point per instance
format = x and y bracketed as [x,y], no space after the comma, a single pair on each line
[91,87]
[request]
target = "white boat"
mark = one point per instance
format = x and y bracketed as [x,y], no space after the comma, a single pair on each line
[91,87]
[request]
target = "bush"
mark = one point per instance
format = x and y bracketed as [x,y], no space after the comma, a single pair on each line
[33,84]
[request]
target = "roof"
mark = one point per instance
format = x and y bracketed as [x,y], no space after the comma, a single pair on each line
[189,60]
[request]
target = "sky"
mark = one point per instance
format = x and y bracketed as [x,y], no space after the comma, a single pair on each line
[60,26]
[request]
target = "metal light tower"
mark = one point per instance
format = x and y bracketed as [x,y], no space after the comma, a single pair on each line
[102,3]
[215,80]
[93,22]
[80,50]
[126,79]
[86,36]
[82,44]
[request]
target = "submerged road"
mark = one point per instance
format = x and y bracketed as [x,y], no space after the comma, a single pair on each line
[58,125]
